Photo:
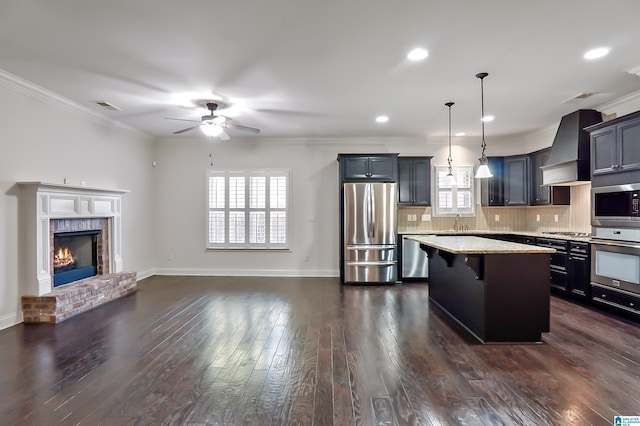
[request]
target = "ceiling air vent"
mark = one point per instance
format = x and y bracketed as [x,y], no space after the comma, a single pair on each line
[107,105]
[578,97]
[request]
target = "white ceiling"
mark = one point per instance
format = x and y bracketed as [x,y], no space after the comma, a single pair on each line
[327,68]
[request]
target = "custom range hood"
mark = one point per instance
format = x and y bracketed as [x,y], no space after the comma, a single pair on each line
[570,158]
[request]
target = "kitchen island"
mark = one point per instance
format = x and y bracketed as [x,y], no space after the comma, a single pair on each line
[496,290]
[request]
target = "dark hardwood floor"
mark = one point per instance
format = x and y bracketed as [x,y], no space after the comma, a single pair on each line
[228,350]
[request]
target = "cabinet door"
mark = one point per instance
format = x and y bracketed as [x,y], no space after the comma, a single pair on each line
[382,167]
[516,181]
[579,275]
[422,181]
[493,188]
[355,168]
[603,148]
[540,195]
[628,146]
[405,193]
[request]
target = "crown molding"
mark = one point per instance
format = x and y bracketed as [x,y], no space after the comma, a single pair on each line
[31,90]
[622,106]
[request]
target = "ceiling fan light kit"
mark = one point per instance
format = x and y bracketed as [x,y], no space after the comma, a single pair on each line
[483,170]
[214,125]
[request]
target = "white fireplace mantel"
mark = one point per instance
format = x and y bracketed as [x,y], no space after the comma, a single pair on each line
[42,202]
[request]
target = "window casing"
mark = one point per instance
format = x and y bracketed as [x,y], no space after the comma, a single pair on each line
[463,193]
[248,209]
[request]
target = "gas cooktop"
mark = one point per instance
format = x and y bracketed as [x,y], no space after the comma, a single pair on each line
[569,234]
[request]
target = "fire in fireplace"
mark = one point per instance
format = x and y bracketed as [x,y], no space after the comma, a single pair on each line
[74,256]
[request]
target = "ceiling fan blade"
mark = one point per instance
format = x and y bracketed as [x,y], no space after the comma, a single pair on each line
[224,136]
[239,127]
[185,130]
[182,119]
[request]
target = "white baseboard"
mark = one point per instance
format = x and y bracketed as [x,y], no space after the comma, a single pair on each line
[10,320]
[141,275]
[247,273]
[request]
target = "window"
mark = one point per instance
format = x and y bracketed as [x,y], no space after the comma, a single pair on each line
[248,209]
[457,199]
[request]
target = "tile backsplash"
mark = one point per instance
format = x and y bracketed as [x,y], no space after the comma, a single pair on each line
[575,217]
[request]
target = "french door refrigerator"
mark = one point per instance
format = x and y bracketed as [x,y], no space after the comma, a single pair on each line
[370,251]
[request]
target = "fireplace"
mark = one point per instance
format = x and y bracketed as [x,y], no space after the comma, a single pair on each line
[79,249]
[75,256]
[53,212]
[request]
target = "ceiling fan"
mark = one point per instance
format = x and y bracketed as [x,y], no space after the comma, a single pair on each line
[215,124]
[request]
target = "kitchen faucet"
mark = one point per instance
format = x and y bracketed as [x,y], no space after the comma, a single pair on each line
[459,226]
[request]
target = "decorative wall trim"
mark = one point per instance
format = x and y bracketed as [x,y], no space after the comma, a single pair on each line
[31,90]
[622,106]
[247,273]
[10,320]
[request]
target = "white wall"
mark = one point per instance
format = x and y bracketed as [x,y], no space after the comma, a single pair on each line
[181,186]
[41,139]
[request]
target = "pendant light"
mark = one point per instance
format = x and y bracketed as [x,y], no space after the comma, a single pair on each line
[483,170]
[450,180]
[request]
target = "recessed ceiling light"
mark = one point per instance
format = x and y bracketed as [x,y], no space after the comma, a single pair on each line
[417,54]
[487,118]
[460,134]
[596,53]
[382,119]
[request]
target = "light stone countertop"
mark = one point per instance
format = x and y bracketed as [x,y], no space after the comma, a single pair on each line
[488,232]
[464,244]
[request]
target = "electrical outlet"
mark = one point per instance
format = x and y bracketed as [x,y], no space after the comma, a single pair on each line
[537,218]
[426,217]
[497,218]
[414,217]
[555,217]
[408,218]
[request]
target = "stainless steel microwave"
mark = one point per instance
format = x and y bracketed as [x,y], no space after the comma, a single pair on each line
[617,205]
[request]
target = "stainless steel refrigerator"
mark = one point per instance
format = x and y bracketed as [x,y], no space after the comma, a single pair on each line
[370,251]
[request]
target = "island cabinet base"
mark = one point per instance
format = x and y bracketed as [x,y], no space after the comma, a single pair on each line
[498,298]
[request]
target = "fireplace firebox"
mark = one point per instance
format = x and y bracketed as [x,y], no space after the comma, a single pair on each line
[75,256]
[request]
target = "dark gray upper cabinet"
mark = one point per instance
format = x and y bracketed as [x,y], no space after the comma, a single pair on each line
[542,195]
[493,188]
[615,149]
[368,167]
[516,180]
[414,181]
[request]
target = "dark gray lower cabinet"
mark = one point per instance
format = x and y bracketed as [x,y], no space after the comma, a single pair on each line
[623,301]
[578,269]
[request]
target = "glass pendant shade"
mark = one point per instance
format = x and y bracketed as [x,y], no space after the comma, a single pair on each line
[211,129]
[483,170]
[450,179]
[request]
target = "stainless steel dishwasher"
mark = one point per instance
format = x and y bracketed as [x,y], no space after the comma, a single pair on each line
[415,263]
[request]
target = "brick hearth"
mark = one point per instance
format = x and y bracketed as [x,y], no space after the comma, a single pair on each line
[72,299]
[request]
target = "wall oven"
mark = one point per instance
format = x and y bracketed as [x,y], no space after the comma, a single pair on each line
[615,267]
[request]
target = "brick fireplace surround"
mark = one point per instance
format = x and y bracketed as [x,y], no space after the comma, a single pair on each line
[51,208]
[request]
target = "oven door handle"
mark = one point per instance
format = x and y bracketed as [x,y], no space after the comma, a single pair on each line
[614,244]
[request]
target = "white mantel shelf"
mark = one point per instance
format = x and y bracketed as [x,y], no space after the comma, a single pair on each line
[59,187]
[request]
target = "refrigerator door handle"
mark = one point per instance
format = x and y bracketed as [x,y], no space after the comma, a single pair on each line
[371,263]
[372,212]
[372,247]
